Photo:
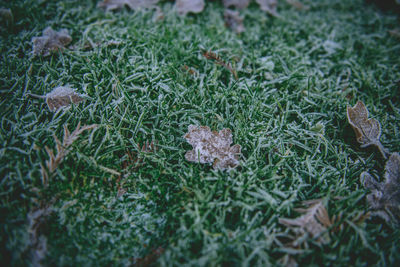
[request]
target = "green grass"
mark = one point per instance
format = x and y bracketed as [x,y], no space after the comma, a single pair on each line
[295,72]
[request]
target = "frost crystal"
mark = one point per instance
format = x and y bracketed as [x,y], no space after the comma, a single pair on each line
[212,147]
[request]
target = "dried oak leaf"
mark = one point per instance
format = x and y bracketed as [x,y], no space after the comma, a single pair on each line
[269,6]
[212,147]
[368,131]
[384,199]
[186,6]
[62,96]
[132,4]
[314,221]
[233,20]
[241,4]
[51,41]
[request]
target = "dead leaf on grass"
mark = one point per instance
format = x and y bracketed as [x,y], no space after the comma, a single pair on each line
[61,150]
[109,5]
[395,33]
[314,221]
[212,147]
[241,4]
[368,131]
[269,6]
[384,199]
[187,6]
[51,41]
[218,60]
[297,4]
[150,259]
[233,20]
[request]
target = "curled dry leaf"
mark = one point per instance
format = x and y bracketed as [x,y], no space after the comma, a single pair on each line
[241,4]
[233,20]
[51,41]
[368,131]
[187,6]
[62,149]
[212,147]
[269,6]
[132,4]
[314,221]
[384,199]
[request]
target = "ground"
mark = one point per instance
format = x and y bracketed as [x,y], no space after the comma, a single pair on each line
[107,203]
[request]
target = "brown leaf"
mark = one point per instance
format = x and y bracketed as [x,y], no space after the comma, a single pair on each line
[368,131]
[186,6]
[212,56]
[132,4]
[268,6]
[150,259]
[233,20]
[297,4]
[384,199]
[51,41]
[241,4]
[62,96]
[62,149]
[395,33]
[313,222]
[212,147]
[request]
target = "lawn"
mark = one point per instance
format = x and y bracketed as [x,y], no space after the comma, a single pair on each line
[115,201]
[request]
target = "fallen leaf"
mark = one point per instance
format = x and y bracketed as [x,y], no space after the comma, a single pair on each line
[314,221]
[62,150]
[368,131]
[51,41]
[241,4]
[384,199]
[62,96]
[233,20]
[395,33]
[297,4]
[212,56]
[187,6]
[212,147]
[269,6]
[109,5]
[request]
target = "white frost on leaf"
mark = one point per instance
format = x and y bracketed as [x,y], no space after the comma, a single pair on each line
[233,20]
[269,6]
[51,41]
[62,96]
[212,147]
[132,4]
[186,6]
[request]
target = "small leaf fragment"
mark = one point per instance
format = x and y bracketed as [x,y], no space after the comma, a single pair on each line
[187,6]
[50,41]
[241,4]
[384,199]
[62,96]
[314,221]
[269,6]
[212,147]
[368,131]
[233,21]
[109,5]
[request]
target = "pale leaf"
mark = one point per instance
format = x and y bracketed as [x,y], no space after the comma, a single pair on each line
[187,6]
[269,6]
[62,96]
[313,222]
[241,4]
[132,4]
[212,147]
[51,41]
[297,4]
[368,131]
[384,199]
[233,21]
